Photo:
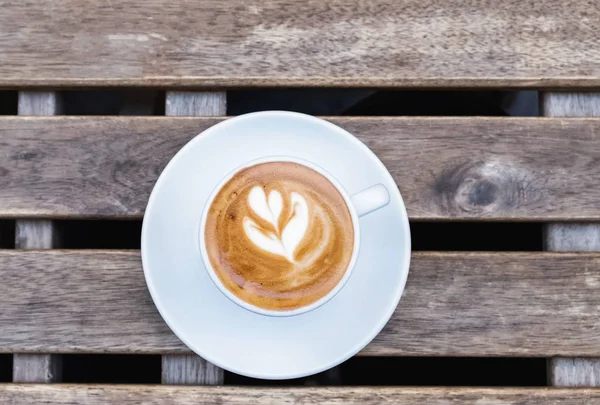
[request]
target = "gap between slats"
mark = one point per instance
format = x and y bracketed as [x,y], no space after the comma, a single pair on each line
[474,236]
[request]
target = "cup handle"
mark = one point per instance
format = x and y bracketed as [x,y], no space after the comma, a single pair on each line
[370,199]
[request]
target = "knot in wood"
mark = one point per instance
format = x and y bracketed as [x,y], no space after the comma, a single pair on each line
[479,188]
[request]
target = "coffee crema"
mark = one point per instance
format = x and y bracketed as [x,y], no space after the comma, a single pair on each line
[279,235]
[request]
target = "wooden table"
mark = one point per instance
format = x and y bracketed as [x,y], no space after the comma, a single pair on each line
[473,304]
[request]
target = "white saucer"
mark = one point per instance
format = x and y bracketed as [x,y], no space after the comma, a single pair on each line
[226,334]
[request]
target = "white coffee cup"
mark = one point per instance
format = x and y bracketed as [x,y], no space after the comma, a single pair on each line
[359,204]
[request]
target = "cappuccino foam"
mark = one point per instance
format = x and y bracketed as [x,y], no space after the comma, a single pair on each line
[279,235]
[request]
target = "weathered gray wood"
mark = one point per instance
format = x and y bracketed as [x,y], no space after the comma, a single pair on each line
[31,234]
[189,103]
[37,234]
[455,304]
[39,103]
[447,168]
[577,372]
[570,104]
[210,43]
[13,394]
[574,237]
[574,372]
[189,369]
[37,368]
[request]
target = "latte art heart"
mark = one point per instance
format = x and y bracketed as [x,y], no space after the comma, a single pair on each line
[279,235]
[278,241]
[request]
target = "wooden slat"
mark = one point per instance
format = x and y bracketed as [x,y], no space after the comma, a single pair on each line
[576,237]
[447,168]
[37,234]
[37,368]
[455,304]
[190,103]
[163,395]
[284,42]
[572,372]
[570,104]
[39,103]
[189,369]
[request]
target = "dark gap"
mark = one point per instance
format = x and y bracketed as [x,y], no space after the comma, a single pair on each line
[7,234]
[315,101]
[308,101]
[356,102]
[6,365]
[113,102]
[159,103]
[443,236]
[448,103]
[8,102]
[473,236]
[444,371]
[423,371]
[99,234]
[111,369]
[329,377]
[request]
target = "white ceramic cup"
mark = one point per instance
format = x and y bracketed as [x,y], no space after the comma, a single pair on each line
[360,204]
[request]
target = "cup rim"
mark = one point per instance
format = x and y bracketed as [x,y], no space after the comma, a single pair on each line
[253,308]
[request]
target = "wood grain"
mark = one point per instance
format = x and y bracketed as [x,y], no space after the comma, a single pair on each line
[572,372]
[37,368]
[570,104]
[455,304]
[37,234]
[39,103]
[162,395]
[446,168]
[212,43]
[561,237]
[190,369]
[190,103]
